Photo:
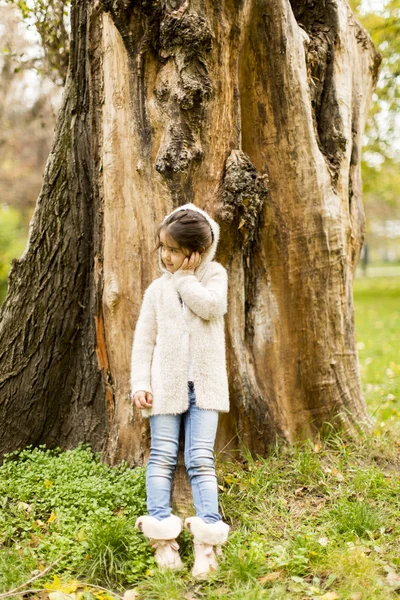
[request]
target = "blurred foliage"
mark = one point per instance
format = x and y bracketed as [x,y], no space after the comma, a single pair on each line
[383,25]
[28,105]
[382,186]
[50,18]
[12,243]
[381,163]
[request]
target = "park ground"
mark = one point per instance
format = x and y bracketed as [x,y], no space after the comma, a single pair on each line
[317,520]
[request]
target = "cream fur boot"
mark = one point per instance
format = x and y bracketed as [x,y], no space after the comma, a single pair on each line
[162,538]
[207,539]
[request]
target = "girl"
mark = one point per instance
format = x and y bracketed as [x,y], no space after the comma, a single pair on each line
[178,376]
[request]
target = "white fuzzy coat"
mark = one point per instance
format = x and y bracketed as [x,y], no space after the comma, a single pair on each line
[165,336]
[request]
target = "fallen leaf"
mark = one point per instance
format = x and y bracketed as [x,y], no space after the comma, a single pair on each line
[336,473]
[317,447]
[389,530]
[230,478]
[130,595]
[270,577]
[58,586]
[24,506]
[299,491]
[61,596]
[38,523]
[330,596]
[323,541]
[393,579]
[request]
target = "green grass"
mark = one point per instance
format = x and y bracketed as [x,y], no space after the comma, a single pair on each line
[70,506]
[377,313]
[309,521]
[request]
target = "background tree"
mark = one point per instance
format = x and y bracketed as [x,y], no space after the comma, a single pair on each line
[255,111]
[28,103]
[382,132]
[381,157]
[50,19]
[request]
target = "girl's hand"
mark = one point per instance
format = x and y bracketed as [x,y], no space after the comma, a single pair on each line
[143,399]
[191,263]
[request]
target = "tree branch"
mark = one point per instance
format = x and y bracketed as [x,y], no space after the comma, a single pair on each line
[38,576]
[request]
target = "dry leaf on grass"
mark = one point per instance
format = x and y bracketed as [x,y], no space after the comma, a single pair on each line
[336,473]
[330,596]
[270,577]
[393,579]
[25,506]
[323,541]
[61,596]
[130,595]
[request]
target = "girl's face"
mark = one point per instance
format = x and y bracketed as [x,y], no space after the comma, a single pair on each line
[171,254]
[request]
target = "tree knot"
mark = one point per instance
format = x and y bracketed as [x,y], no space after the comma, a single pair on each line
[188,33]
[242,196]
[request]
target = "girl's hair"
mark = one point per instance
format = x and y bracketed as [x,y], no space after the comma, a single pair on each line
[189,229]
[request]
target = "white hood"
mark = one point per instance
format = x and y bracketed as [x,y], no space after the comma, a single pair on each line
[209,254]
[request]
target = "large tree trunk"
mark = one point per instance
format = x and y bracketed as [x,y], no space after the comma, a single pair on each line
[254,110]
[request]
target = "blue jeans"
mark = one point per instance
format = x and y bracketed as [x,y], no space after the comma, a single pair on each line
[200,430]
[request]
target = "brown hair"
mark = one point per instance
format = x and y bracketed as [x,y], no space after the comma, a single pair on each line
[190,229]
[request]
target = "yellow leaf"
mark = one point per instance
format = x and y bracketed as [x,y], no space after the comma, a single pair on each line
[230,478]
[38,523]
[48,483]
[70,586]
[52,517]
[58,586]
[330,596]
[53,585]
[317,447]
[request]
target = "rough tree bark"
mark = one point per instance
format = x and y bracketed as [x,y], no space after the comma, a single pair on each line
[252,109]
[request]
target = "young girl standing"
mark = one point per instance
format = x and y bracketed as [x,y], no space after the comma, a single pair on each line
[178,377]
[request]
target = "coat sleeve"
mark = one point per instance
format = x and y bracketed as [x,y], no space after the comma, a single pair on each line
[207,300]
[144,342]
